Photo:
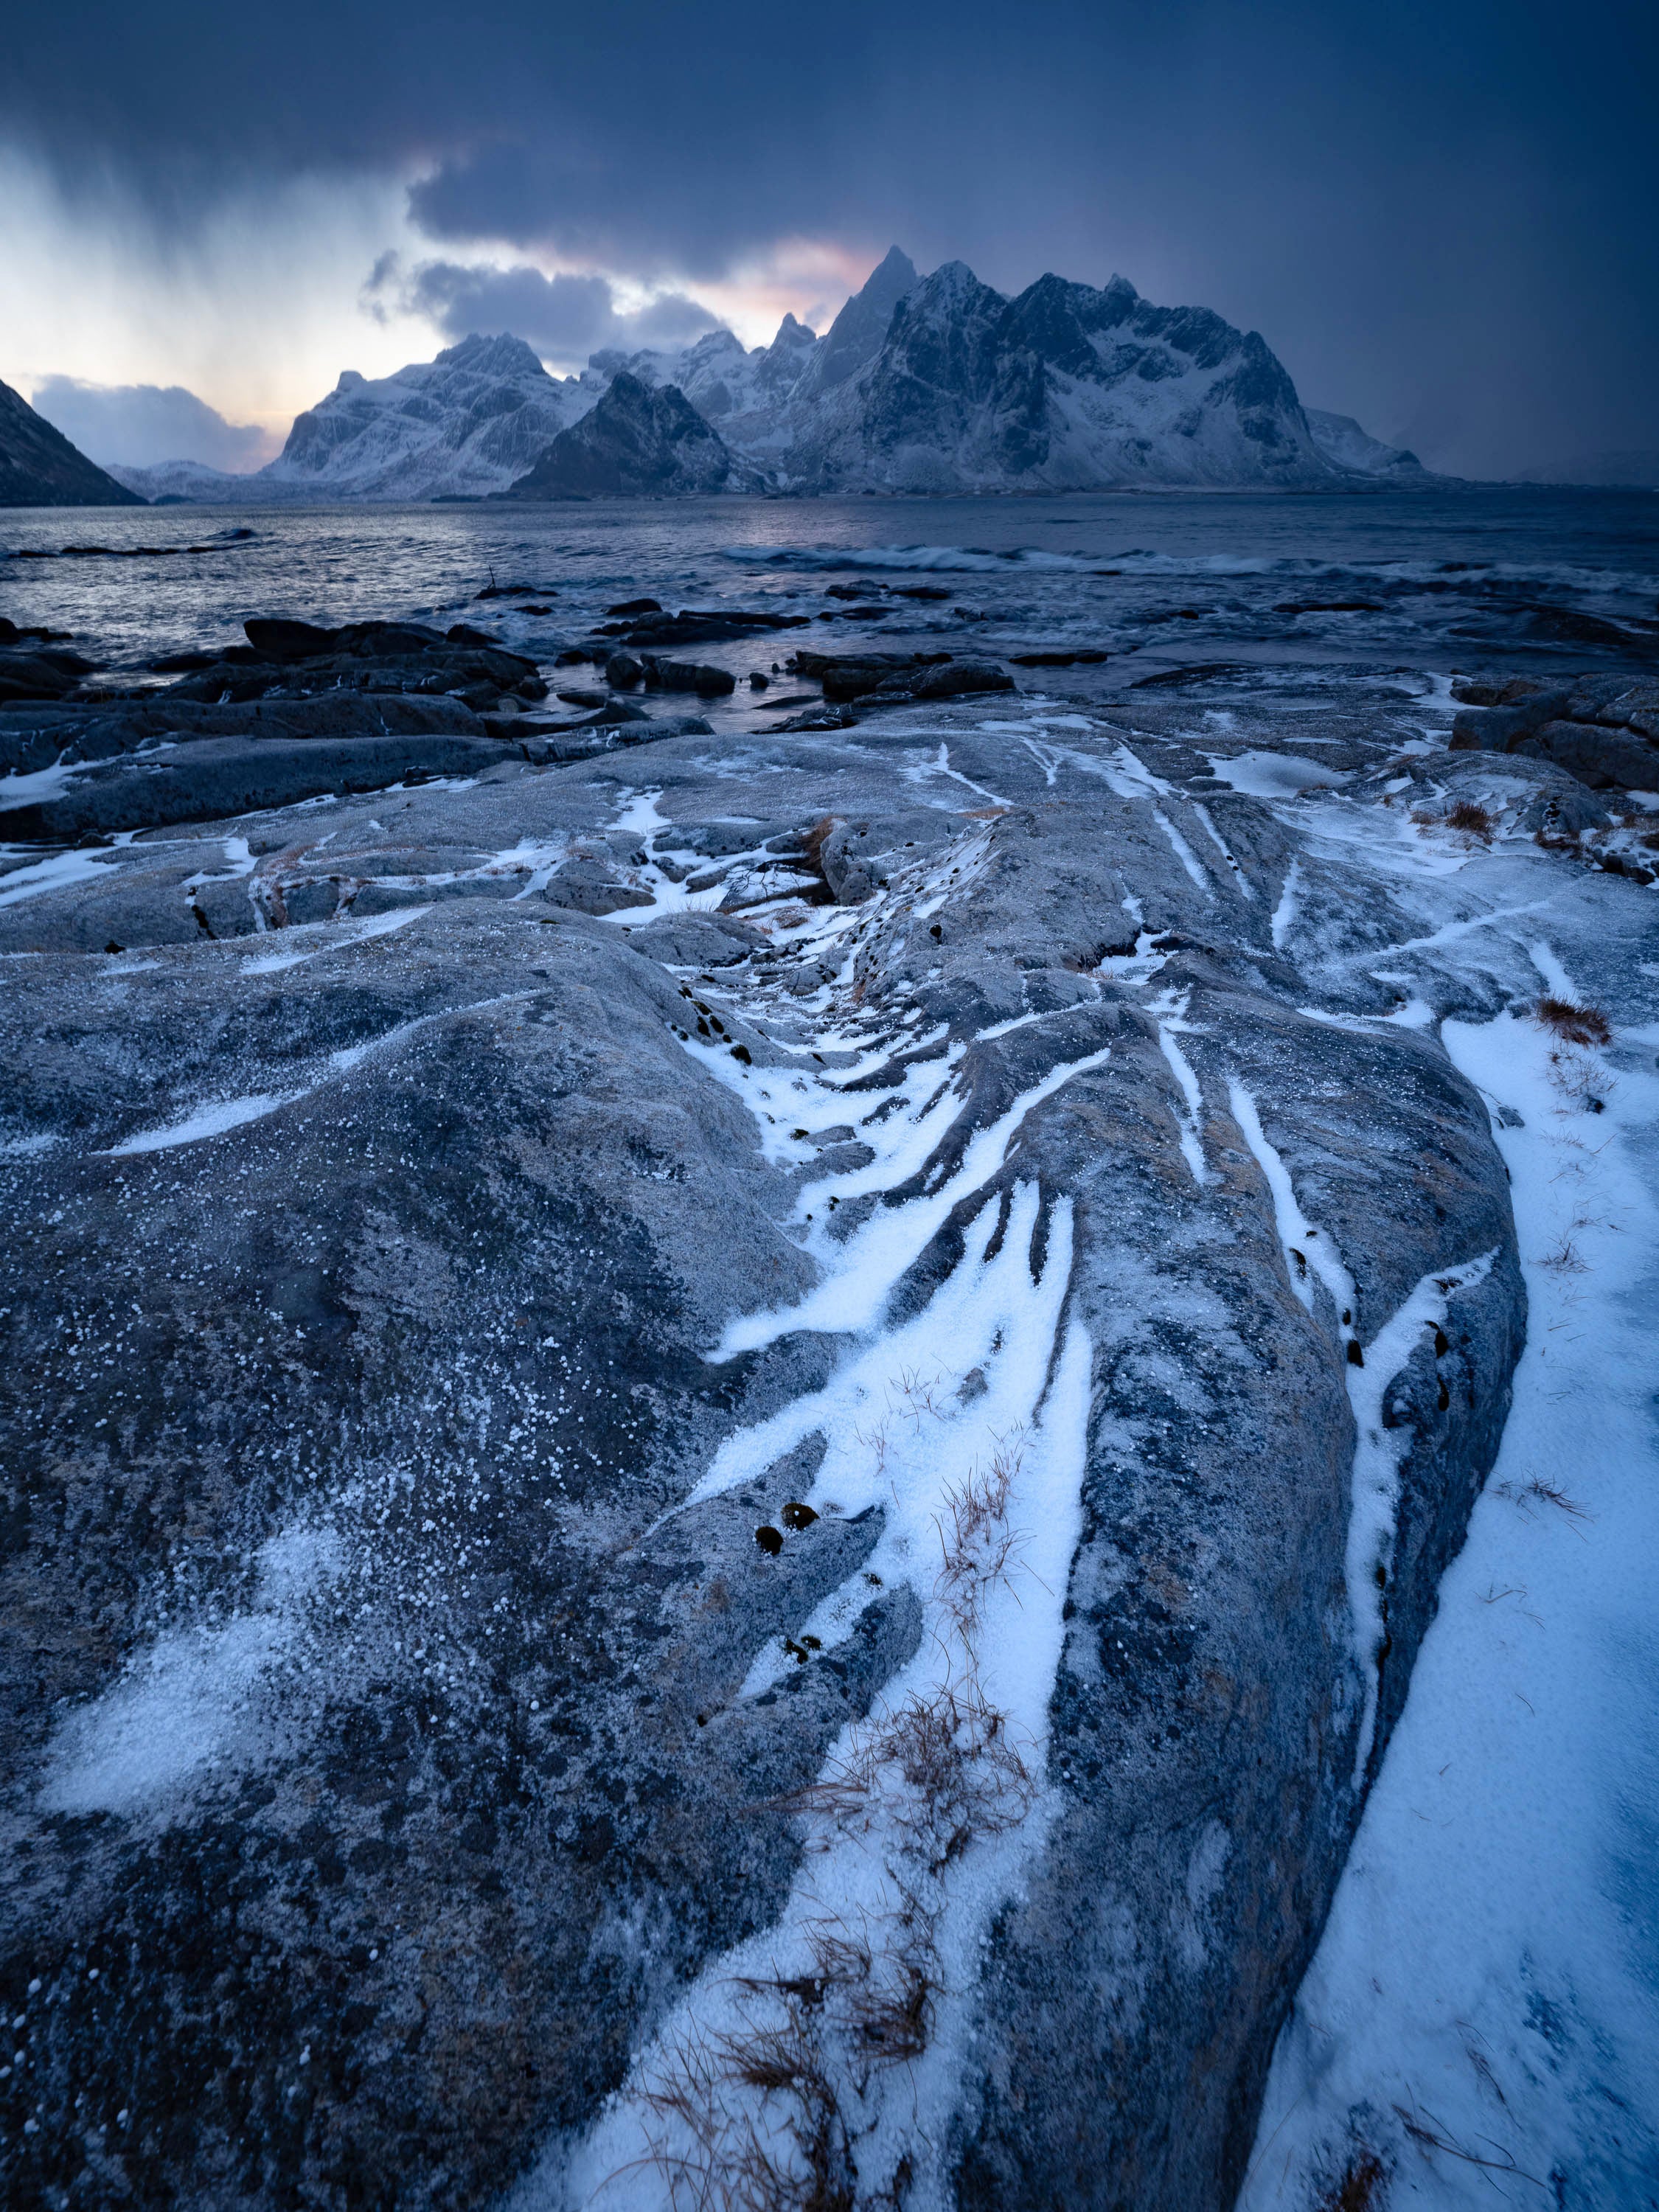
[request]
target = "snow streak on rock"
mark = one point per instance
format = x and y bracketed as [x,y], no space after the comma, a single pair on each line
[1479,2023]
[1379,1450]
[827,2052]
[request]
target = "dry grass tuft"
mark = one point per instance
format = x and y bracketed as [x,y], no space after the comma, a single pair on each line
[1362,2189]
[1572,1025]
[1475,820]
[764,2117]
[720,2152]
[941,1767]
[979,1547]
[923,1396]
[1429,2134]
[1565,1258]
[813,843]
[1547,1493]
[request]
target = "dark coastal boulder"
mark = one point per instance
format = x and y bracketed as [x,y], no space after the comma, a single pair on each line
[688,676]
[700,626]
[39,467]
[215,776]
[36,671]
[298,660]
[33,737]
[637,443]
[961,679]
[1604,730]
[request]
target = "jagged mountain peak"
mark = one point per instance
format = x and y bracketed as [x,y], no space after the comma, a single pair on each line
[1065,387]
[471,422]
[952,279]
[855,335]
[502,355]
[895,273]
[641,439]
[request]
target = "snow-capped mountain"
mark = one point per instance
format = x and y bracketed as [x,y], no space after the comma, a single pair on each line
[1345,445]
[638,443]
[473,420]
[194,483]
[932,384]
[941,384]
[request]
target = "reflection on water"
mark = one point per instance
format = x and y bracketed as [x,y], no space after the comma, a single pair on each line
[1466,579]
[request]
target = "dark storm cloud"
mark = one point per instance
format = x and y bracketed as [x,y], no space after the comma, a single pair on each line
[135,425]
[1439,212]
[565,318]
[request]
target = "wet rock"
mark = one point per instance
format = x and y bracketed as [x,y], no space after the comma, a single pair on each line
[700,626]
[39,672]
[689,676]
[821,717]
[1604,759]
[277,638]
[958,680]
[614,711]
[215,776]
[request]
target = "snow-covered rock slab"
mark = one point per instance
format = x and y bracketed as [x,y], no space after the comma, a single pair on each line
[668,1536]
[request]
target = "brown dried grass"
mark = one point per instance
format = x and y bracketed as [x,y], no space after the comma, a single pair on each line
[979,1548]
[941,1766]
[1362,2188]
[1573,1024]
[806,2044]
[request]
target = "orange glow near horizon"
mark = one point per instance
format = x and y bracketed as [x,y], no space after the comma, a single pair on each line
[808,278]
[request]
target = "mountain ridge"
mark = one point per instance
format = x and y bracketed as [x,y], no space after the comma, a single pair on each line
[39,466]
[935,383]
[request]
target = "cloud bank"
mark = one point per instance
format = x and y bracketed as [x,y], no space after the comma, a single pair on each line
[135,425]
[565,318]
[1439,214]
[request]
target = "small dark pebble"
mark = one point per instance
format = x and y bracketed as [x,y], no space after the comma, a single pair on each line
[770,1539]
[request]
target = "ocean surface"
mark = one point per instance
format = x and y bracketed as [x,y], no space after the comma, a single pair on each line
[1530,579]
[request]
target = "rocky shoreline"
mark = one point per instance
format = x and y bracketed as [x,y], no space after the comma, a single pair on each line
[837,1361]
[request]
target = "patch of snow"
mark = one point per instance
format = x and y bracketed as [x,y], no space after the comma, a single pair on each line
[211,1120]
[195,1704]
[1190,1120]
[56,872]
[1482,2014]
[1273,776]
